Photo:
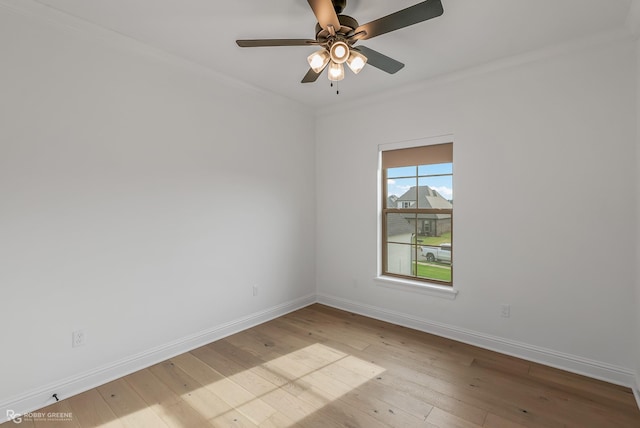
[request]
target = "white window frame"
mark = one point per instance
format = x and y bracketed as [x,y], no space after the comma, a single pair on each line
[422,287]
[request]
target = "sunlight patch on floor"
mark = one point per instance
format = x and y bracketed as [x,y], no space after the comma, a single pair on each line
[293,386]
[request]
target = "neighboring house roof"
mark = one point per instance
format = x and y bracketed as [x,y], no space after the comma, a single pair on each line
[427,198]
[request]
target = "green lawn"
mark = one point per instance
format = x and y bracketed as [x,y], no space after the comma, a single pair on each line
[434,272]
[435,240]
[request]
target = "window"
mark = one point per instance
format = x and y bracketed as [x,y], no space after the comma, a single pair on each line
[417,213]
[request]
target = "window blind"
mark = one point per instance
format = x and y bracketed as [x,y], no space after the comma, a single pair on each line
[425,155]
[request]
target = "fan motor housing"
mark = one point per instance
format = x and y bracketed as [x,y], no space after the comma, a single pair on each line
[347,24]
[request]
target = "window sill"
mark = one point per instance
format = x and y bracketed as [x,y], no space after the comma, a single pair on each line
[417,287]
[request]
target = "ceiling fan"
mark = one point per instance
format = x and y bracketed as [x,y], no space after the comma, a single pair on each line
[336,35]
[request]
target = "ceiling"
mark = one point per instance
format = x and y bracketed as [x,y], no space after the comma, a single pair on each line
[471,32]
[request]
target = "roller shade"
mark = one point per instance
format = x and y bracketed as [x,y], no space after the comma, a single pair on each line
[424,155]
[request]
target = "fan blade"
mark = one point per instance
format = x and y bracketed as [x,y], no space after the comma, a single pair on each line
[275,42]
[403,18]
[380,61]
[311,76]
[325,14]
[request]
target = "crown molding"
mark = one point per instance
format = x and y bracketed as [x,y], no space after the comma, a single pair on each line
[76,26]
[562,49]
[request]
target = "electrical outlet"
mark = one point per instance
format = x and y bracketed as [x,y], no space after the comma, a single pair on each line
[78,338]
[505,311]
[255,290]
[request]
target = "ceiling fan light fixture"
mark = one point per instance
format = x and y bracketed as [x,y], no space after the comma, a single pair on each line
[356,61]
[336,33]
[318,60]
[339,52]
[336,72]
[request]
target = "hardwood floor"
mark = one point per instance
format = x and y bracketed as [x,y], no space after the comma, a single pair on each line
[321,367]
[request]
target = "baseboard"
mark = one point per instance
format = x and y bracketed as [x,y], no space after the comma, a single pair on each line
[636,393]
[548,357]
[41,397]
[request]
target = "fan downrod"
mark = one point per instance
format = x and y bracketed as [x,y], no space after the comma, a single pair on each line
[339,5]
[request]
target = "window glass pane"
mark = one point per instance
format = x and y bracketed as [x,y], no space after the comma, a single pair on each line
[418,244]
[401,228]
[438,168]
[433,271]
[435,192]
[401,259]
[434,229]
[401,192]
[434,247]
[404,171]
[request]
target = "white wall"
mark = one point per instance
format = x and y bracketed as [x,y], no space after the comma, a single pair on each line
[129,187]
[637,181]
[544,205]
[140,200]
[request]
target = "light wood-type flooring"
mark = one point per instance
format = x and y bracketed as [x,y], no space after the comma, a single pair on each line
[322,367]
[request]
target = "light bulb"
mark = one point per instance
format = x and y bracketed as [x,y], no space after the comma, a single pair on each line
[336,72]
[339,52]
[356,61]
[318,60]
